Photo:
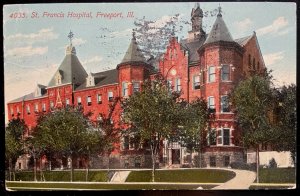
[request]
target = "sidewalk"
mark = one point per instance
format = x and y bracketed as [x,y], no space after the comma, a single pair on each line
[120,176]
[242,180]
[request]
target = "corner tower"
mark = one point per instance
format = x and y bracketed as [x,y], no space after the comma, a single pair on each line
[196,19]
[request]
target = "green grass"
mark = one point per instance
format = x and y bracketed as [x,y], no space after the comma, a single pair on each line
[94,176]
[99,186]
[193,175]
[277,175]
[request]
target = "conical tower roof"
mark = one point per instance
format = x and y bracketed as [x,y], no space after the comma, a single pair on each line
[219,31]
[70,69]
[133,54]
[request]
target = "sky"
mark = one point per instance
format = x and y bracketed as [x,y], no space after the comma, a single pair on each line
[35,36]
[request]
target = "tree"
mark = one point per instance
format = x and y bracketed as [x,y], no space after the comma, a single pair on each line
[152,115]
[14,142]
[253,104]
[195,116]
[69,132]
[286,119]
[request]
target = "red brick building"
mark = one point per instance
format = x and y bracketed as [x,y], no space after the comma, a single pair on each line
[202,65]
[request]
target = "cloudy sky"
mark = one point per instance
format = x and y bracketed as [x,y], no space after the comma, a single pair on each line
[35,46]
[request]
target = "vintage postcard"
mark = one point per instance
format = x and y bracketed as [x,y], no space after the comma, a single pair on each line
[164,96]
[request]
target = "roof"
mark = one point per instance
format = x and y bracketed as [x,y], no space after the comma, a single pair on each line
[197,11]
[27,97]
[219,32]
[243,41]
[133,53]
[102,78]
[71,69]
[192,47]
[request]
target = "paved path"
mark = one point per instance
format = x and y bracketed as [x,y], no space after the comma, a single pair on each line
[242,180]
[120,176]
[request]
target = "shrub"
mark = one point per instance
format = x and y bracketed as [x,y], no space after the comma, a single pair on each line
[272,163]
[242,165]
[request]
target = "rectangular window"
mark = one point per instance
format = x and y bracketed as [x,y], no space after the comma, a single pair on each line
[226,136]
[212,137]
[136,87]
[110,96]
[225,73]
[224,104]
[28,109]
[226,161]
[219,137]
[126,143]
[124,89]
[211,74]
[211,104]
[169,85]
[12,111]
[89,100]
[196,82]
[178,84]
[67,102]
[131,143]
[212,161]
[36,107]
[51,105]
[78,100]
[44,107]
[18,110]
[99,98]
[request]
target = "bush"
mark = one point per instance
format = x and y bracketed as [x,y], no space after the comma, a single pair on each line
[242,165]
[272,163]
[186,166]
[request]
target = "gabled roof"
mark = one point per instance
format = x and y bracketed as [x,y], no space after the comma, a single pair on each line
[71,69]
[219,32]
[244,40]
[192,47]
[102,78]
[133,53]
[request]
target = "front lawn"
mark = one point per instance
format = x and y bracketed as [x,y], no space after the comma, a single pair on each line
[277,175]
[94,176]
[189,175]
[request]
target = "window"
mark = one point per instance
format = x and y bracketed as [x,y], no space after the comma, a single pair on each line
[196,82]
[131,143]
[44,107]
[212,135]
[12,111]
[178,84]
[36,107]
[78,100]
[224,104]
[89,100]
[28,109]
[220,137]
[258,66]
[99,98]
[126,143]
[225,73]
[51,105]
[169,85]
[136,87]
[212,161]
[253,64]
[211,74]
[110,96]
[18,110]
[211,104]
[226,161]
[226,136]
[125,89]
[249,61]
[67,102]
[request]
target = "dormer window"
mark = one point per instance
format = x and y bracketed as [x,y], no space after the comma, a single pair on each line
[59,77]
[90,80]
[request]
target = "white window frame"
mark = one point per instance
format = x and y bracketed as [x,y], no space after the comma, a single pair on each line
[136,87]
[99,98]
[221,136]
[196,82]
[28,109]
[67,101]
[229,136]
[125,89]
[79,101]
[44,107]
[209,73]
[89,100]
[222,103]
[51,105]
[222,72]
[169,83]
[178,84]
[209,103]
[36,107]
[210,134]
[110,95]
[18,110]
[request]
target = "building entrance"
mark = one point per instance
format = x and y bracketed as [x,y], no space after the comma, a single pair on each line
[175,156]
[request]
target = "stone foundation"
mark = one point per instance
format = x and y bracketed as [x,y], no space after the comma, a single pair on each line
[222,158]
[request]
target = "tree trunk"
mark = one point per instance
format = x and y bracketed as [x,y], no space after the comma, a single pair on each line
[87,171]
[153,164]
[10,168]
[34,168]
[71,174]
[199,154]
[257,164]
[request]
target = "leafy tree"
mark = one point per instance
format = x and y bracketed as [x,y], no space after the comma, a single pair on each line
[14,142]
[252,99]
[67,131]
[286,119]
[152,115]
[195,116]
